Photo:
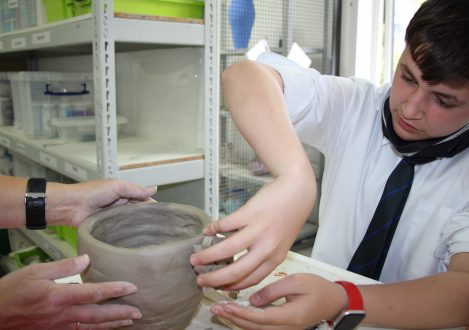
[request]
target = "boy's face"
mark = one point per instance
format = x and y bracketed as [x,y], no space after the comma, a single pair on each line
[421,111]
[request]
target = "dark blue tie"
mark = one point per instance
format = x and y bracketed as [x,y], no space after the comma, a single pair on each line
[370,255]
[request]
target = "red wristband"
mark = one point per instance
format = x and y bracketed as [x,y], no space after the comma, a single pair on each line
[351,317]
[355,300]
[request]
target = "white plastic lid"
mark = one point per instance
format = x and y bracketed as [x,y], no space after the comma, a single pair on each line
[50,76]
[81,121]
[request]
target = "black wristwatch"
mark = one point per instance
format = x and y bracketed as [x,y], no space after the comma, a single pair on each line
[35,203]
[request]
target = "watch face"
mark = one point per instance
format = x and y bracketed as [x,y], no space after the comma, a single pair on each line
[349,320]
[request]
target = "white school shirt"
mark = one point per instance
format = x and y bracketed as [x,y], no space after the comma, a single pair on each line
[341,117]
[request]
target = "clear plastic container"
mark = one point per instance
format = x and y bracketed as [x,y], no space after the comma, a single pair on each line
[16,99]
[6,105]
[5,89]
[6,111]
[39,97]
[74,129]
[21,14]
[48,112]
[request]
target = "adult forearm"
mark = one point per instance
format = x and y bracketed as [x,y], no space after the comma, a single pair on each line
[12,202]
[437,301]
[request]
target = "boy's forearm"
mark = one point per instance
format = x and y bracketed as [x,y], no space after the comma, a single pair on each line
[437,301]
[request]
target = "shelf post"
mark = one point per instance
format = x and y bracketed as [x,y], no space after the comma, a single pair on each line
[105,88]
[212,106]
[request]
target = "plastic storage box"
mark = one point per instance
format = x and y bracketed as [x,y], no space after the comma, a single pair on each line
[57,10]
[169,8]
[6,162]
[29,256]
[39,97]
[5,90]
[74,129]
[67,233]
[70,235]
[6,111]
[20,14]
[6,105]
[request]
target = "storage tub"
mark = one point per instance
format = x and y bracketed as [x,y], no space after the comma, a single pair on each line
[70,235]
[169,8]
[79,128]
[20,14]
[29,256]
[67,233]
[6,105]
[5,89]
[58,10]
[37,97]
[6,111]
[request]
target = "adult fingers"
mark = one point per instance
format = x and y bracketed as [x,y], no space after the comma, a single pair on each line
[61,268]
[94,292]
[101,314]
[133,191]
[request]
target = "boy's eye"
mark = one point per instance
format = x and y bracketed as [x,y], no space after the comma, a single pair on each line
[444,104]
[407,78]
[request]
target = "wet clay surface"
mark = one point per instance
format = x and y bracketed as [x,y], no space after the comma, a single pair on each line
[148,244]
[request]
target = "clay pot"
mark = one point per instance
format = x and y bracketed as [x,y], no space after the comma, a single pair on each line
[148,244]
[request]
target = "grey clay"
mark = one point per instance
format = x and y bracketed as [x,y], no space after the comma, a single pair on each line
[148,244]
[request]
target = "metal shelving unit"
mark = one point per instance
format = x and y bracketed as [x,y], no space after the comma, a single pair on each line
[50,244]
[101,159]
[102,34]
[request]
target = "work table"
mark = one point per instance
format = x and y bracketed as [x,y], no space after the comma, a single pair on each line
[294,263]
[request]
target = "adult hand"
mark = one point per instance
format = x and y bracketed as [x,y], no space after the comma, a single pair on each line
[309,299]
[72,203]
[266,226]
[32,300]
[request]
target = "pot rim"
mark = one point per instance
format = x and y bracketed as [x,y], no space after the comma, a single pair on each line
[85,229]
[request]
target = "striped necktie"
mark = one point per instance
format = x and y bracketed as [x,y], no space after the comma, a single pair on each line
[370,255]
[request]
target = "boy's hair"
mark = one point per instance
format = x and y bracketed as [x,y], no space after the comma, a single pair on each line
[438,39]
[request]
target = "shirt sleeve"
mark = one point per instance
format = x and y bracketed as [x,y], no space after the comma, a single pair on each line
[322,107]
[455,238]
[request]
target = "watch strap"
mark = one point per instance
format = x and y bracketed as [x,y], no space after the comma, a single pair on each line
[35,203]
[355,300]
[351,317]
